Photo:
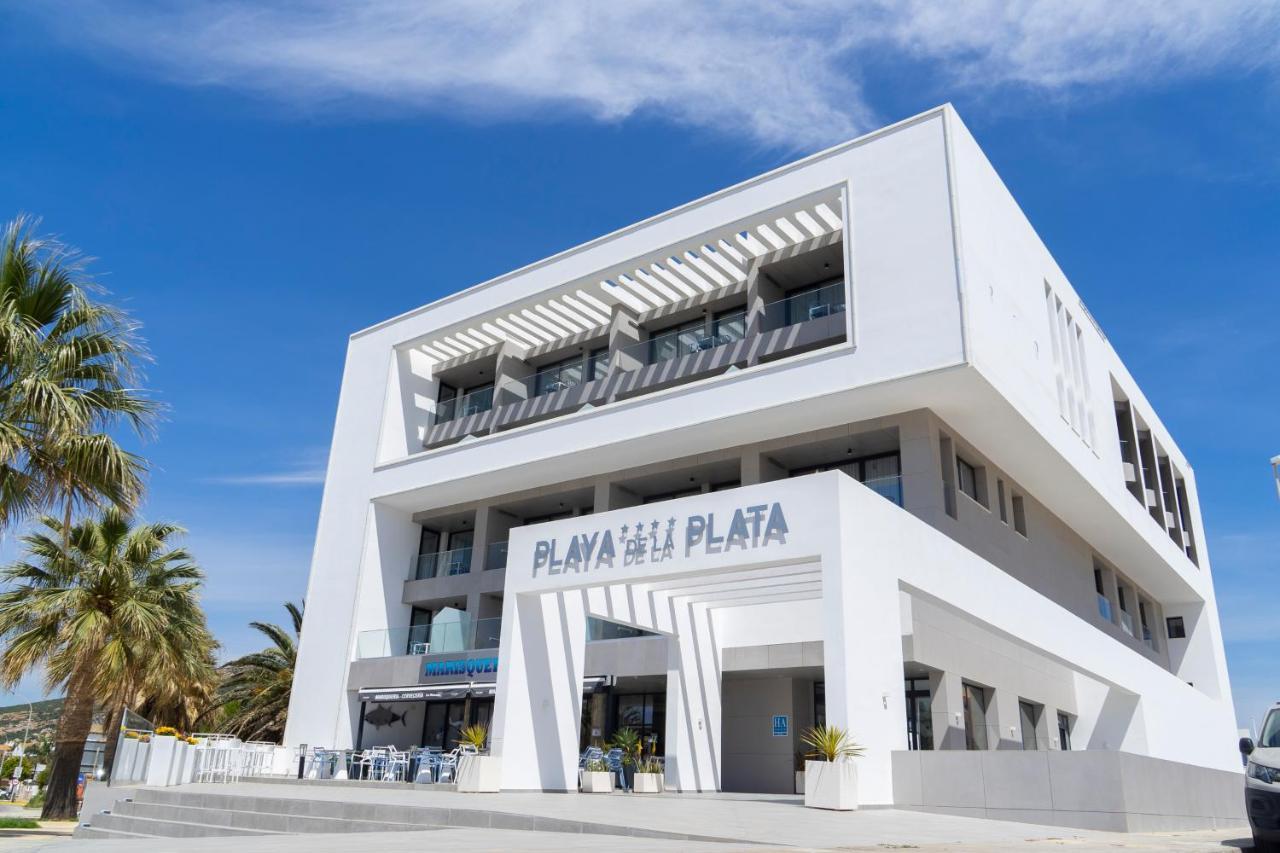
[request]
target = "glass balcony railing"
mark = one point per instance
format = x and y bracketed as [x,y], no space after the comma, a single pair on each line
[1126,623]
[559,377]
[473,403]
[475,634]
[671,345]
[1104,607]
[809,305]
[455,562]
[886,487]
[496,556]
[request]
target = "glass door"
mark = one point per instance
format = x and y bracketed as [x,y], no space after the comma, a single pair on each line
[919,714]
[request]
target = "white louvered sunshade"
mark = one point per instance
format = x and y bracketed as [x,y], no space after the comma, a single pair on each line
[704,264]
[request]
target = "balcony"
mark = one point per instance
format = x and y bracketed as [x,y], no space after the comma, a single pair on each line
[440,564]
[429,639]
[474,403]
[889,488]
[804,321]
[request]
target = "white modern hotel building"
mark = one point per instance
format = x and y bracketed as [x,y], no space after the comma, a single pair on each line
[840,443]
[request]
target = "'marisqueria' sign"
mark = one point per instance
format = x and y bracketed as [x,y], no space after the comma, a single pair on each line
[657,541]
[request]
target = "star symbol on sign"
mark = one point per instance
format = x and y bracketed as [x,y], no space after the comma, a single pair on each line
[671,522]
[625,528]
[654,525]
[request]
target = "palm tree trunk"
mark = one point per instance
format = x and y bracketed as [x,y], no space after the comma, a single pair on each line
[112,731]
[60,802]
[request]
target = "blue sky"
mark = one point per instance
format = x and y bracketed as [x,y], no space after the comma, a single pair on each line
[257,183]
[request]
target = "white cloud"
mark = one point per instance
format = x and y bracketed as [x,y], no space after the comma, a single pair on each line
[277,478]
[783,73]
[303,467]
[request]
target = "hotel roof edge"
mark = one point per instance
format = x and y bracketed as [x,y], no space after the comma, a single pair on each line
[838,148]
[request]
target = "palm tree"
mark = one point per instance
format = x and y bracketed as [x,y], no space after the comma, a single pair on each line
[68,366]
[95,612]
[170,680]
[255,692]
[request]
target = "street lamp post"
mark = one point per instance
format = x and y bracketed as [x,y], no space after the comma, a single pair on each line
[1275,469]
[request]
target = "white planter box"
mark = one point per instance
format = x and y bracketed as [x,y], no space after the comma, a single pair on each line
[647,783]
[597,782]
[138,766]
[190,760]
[799,781]
[831,785]
[178,765]
[164,748]
[479,774]
[126,754]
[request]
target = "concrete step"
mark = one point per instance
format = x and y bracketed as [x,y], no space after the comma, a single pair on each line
[353,816]
[84,830]
[269,821]
[167,828]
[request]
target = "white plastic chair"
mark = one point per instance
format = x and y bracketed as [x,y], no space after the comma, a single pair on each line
[397,767]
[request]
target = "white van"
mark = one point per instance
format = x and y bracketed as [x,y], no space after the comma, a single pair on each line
[1262,783]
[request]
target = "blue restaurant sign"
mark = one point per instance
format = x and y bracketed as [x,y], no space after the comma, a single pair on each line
[469,667]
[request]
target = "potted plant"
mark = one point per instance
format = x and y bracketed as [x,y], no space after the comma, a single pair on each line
[596,778]
[478,772]
[648,776]
[628,740]
[164,754]
[830,776]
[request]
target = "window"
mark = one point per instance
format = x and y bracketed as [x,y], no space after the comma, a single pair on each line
[558,376]
[881,473]
[818,300]
[644,712]
[1126,618]
[1176,628]
[1004,514]
[919,713]
[975,716]
[1064,731]
[668,496]
[450,404]
[1104,603]
[680,339]
[968,476]
[1270,737]
[457,560]
[419,632]
[600,629]
[1147,637]
[554,516]
[1019,515]
[1029,718]
[729,326]
[598,363]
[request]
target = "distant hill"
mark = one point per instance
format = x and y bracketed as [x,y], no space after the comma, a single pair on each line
[44,719]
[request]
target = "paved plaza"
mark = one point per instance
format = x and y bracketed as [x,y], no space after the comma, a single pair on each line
[746,822]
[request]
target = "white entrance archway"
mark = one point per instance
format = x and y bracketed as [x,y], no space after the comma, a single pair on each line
[696,565]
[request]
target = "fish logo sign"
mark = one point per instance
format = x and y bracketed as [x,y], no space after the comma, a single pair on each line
[381,716]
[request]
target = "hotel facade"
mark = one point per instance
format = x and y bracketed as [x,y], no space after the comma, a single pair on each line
[839,444]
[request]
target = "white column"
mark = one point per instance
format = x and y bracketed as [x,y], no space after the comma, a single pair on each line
[862,652]
[693,701]
[538,713]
